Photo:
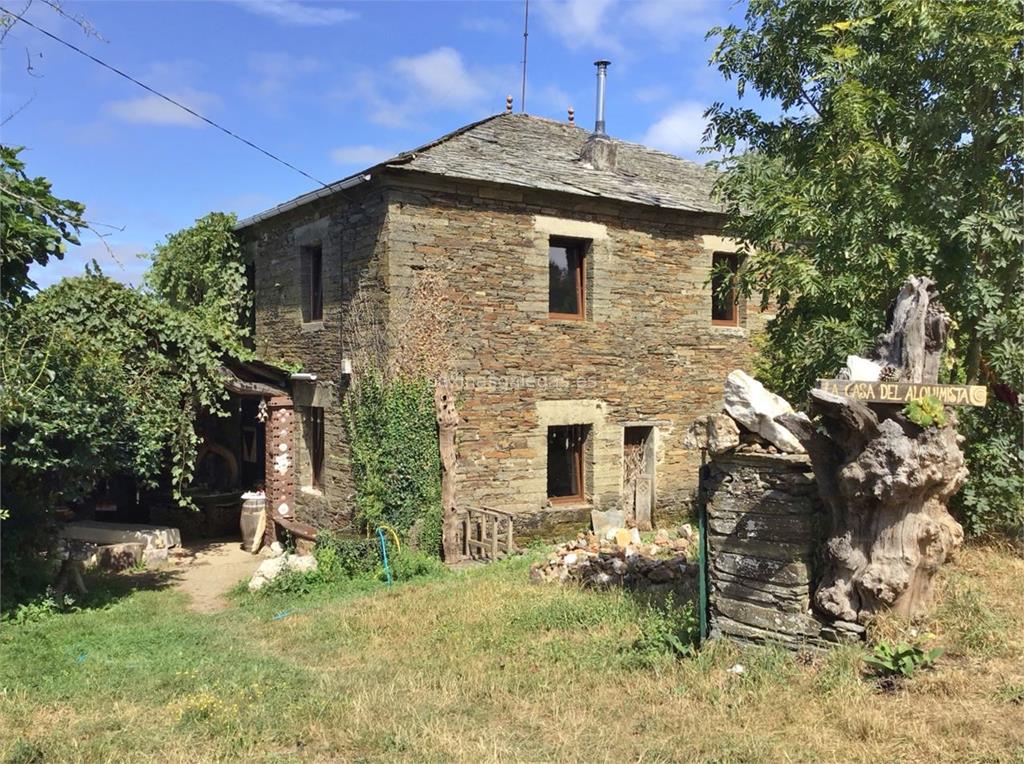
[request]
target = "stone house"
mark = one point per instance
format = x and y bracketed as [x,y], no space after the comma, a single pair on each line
[590,339]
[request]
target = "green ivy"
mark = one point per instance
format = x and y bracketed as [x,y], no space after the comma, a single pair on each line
[396,465]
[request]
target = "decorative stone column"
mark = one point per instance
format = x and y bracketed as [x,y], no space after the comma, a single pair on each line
[280,469]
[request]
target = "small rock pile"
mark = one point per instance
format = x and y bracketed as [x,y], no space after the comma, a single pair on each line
[621,558]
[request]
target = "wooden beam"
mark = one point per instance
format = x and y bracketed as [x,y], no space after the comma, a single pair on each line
[904,392]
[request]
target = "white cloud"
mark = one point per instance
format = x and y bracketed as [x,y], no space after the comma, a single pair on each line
[153,110]
[438,80]
[679,130]
[674,22]
[363,155]
[580,22]
[440,76]
[299,14]
[278,69]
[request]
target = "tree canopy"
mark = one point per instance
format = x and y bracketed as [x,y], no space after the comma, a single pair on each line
[887,143]
[34,225]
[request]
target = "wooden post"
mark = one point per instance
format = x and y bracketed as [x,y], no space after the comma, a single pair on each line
[447,424]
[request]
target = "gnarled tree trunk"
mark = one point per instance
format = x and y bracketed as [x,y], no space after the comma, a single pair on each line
[885,480]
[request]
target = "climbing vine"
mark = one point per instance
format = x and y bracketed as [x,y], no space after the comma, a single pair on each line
[395,461]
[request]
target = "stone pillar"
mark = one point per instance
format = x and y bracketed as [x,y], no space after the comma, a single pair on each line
[280,470]
[763,533]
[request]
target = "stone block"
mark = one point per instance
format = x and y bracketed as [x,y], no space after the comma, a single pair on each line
[120,556]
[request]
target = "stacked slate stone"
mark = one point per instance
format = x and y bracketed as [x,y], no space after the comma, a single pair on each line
[764,520]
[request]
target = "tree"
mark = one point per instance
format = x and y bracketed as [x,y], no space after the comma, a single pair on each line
[34,225]
[896,150]
[199,270]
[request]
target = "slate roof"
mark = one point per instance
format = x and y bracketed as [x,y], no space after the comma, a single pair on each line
[534,152]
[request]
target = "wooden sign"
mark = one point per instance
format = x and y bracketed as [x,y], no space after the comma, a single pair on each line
[904,392]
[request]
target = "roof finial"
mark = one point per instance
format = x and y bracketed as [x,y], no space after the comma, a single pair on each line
[508,104]
[572,116]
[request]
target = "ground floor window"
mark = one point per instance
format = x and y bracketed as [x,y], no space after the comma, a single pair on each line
[565,462]
[313,430]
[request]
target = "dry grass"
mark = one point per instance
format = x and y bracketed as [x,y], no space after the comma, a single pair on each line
[485,667]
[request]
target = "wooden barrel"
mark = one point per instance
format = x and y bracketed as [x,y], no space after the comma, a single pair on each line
[253,522]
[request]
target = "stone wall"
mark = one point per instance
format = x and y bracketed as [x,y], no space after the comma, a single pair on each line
[647,355]
[763,518]
[348,226]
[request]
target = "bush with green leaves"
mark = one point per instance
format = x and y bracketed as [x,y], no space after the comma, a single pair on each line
[393,435]
[891,148]
[992,501]
[902,659]
[100,379]
[926,412]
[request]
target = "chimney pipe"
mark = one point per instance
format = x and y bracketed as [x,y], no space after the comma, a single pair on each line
[602,74]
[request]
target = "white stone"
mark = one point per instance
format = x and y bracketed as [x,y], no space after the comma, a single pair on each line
[275,566]
[93,531]
[611,519]
[717,433]
[863,369]
[570,559]
[277,549]
[686,531]
[754,407]
[736,669]
[634,535]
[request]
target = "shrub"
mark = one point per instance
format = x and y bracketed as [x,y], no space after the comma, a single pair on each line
[666,631]
[395,460]
[902,660]
[992,501]
[411,563]
[339,557]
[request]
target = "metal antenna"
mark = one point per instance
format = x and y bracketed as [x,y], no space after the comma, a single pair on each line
[526,35]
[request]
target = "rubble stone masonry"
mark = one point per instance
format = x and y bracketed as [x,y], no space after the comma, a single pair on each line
[646,355]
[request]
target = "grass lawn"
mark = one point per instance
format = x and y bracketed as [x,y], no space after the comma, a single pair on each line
[482,666]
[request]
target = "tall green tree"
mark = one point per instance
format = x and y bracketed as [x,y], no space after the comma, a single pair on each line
[199,270]
[35,225]
[888,142]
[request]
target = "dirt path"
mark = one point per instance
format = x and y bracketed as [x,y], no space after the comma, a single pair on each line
[217,566]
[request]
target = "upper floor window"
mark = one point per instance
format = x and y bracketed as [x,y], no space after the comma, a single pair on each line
[313,283]
[724,308]
[567,282]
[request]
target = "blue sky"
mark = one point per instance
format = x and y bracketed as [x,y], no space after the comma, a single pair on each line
[330,86]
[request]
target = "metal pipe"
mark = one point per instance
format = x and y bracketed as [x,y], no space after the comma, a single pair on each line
[602,74]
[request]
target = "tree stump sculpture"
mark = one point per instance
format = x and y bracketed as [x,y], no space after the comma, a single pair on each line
[885,481]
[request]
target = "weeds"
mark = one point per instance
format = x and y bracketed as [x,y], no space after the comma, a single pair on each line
[901,660]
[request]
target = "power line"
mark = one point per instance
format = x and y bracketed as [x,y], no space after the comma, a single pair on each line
[170,100]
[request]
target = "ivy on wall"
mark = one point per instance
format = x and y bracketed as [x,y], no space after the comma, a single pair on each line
[393,436]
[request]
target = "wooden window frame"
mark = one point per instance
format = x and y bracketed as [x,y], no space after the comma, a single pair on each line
[581,247]
[315,445]
[313,288]
[579,431]
[734,262]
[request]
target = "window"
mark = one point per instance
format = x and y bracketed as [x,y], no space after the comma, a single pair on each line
[313,430]
[313,283]
[723,289]
[565,462]
[567,278]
